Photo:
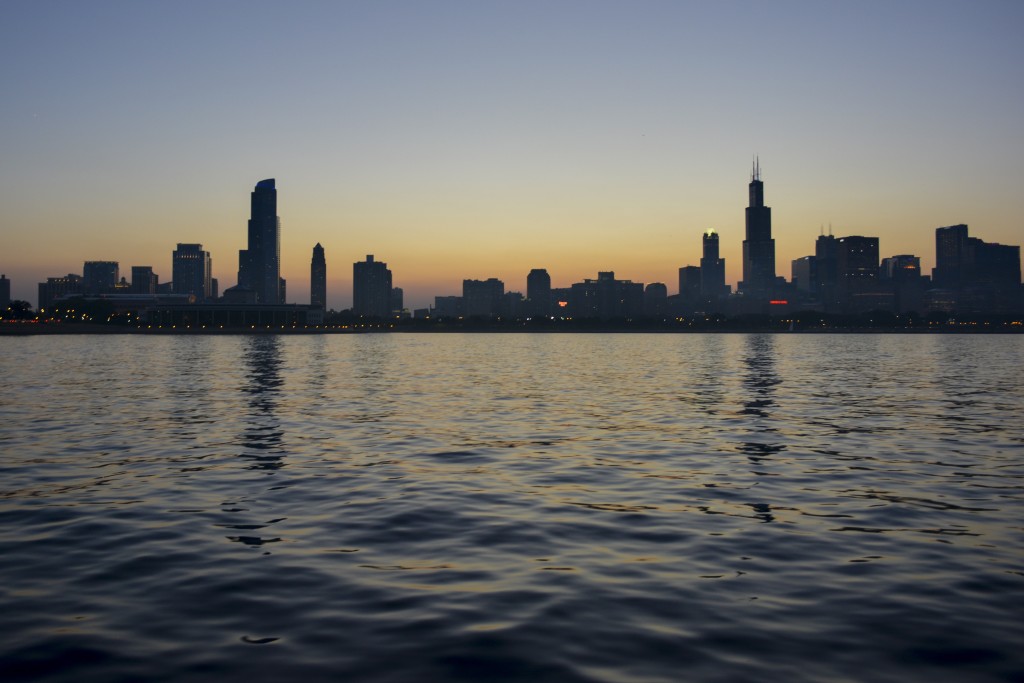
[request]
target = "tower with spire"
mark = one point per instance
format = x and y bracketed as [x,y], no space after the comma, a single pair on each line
[758,247]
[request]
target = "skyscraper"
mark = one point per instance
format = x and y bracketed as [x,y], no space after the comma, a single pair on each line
[538,292]
[952,261]
[318,278]
[5,291]
[100,277]
[191,272]
[259,266]
[758,247]
[371,288]
[712,269]
[144,280]
[482,297]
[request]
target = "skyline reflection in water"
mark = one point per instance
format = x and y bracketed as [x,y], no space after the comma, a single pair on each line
[512,507]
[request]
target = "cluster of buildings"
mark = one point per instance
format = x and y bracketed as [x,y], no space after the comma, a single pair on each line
[844,275]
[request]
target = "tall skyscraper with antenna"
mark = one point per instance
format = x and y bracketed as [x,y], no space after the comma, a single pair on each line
[758,247]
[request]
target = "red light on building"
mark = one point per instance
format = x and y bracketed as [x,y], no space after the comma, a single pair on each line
[778,302]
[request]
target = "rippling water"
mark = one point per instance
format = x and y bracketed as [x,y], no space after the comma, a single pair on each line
[512,507]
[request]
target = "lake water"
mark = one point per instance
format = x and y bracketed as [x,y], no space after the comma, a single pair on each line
[506,507]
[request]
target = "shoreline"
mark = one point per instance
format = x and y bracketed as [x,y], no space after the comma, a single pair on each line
[15,329]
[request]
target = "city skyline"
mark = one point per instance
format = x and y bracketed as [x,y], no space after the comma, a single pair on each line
[840,267]
[459,141]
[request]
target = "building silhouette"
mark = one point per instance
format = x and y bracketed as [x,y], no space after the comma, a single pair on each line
[318,278]
[712,271]
[805,275]
[902,274]
[144,280]
[100,277]
[447,307]
[57,287]
[5,291]
[977,276]
[538,293]
[656,299]
[606,298]
[758,247]
[371,288]
[952,262]
[483,298]
[259,265]
[689,298]
[191,272]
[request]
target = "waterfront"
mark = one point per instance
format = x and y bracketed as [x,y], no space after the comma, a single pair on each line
[512,507]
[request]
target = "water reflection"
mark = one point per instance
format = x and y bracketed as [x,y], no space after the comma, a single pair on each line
[760,380]
[372,357]
[262,438]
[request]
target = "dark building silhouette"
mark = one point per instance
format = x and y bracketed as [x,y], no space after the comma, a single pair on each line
[482,298]
[656,299]
[952,262]
[826,265]
[100,277]
[512,305]
[606,298]
[996,265]
[712,271]
[371,288]
[447,307]
[144,280]
[57,287]
[318,278]
[758,247]
[805,275]
[191,272]
[538,293]
[974,275]
[259,266]
[902,275]
[397,300]
[858,283]
[5,292]
[689,299]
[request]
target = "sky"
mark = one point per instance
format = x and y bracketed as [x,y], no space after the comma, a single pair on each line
[475,139]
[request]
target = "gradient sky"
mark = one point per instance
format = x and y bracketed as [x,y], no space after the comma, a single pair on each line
[482,139]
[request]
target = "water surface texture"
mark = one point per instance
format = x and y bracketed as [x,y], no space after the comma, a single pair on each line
[503,507]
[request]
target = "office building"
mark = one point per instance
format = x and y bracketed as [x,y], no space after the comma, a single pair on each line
[318,278]
[952,261]
[538,293]
[57,287]
[371,288]
[5,292]
[656,300]
[712,270]
[483,298]
[259,265]
[606,298]
[447,307]
[191,272]
[100,277]
[144,280]
[805,274]
[758,247]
